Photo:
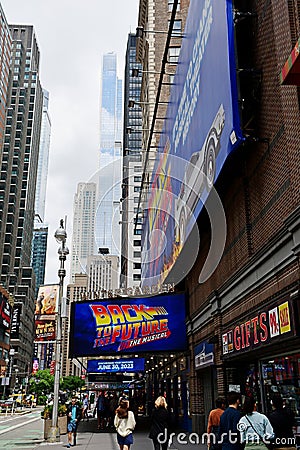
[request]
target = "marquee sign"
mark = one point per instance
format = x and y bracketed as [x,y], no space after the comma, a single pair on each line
[115,365]
[133,325]
[261,328]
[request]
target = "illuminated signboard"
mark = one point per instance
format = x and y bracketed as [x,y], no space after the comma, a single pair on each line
[132,325]
[260,329]
[46,303]
[5,311]
[202,127]
[115,365]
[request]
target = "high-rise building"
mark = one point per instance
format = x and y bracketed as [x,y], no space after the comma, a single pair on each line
[109,192]
[42,173]
[5,50]
[132,169]
[18,175]
[83,237]
[39,251]
[103,270]
[40,233]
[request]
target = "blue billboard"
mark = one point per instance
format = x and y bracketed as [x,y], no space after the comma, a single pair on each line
[115,365]
[131,325]
[202,127]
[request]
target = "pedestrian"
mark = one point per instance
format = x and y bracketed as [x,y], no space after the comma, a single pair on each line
[213,424]
[255,428]
[229,436]
[74,415]
[85,407]
[124,423]
[100,409]
[282,421]
[160,424]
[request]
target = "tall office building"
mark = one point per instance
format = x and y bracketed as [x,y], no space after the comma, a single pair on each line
[83,237]
[40,232]
[102,270]
[132,171]
[39,251]
[42,173]
[5,49]
[109,192]
[18,176]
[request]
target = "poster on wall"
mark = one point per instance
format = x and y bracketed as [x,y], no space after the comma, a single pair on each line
[202,127]
[131,325]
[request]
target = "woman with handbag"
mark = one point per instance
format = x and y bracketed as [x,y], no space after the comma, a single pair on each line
[124,423]
[255,428]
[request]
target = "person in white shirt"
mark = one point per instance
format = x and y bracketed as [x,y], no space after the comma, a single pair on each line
[255,428]
[124,423]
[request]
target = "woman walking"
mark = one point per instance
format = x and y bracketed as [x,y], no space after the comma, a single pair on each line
[124,423]
[255,428]
[160,422]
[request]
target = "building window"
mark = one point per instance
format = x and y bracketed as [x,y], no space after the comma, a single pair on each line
[136,243]
[138,231]
[136,277]
[174,55]
[177,28]
[136,254]
[171,3]
[137,265]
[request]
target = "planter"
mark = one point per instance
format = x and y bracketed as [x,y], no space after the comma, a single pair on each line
[62,425]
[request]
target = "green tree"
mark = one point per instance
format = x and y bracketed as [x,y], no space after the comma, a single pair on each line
[71,383]
[41,383]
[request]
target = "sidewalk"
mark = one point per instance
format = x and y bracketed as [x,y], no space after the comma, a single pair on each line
[89,438]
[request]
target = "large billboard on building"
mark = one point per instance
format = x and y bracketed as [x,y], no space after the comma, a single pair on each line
[131,325]
[45,309]
[201,129]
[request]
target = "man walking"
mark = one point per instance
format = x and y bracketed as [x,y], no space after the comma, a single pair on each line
[74,415]
[229,436]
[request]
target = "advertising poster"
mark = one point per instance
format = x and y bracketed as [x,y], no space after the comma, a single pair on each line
[202,127]
[131,325]
[5,311]
[15,323]
[44,330]
[46,303]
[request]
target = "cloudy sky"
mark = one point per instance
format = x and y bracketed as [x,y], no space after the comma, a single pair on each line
[72,36]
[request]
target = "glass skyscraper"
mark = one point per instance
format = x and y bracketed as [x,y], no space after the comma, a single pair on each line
[109,189]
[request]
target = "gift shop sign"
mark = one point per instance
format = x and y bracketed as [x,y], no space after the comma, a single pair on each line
[262,328]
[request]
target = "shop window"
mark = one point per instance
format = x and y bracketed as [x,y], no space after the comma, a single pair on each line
[281,376]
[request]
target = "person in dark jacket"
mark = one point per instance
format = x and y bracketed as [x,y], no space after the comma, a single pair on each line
[160,421]
[74,414]
[229,435]
[282,422]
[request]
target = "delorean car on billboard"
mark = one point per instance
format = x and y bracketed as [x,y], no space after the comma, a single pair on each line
[199,175]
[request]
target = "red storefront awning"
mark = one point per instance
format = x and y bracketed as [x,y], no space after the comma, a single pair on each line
[290,73]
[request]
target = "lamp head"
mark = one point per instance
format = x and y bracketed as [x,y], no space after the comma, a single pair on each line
[60,234]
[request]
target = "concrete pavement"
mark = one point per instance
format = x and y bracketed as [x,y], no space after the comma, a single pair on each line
[89,438]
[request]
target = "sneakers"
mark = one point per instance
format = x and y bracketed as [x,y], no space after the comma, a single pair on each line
[69,445]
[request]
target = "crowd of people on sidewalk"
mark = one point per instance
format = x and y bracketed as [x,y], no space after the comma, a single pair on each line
[235,427]
[232,429]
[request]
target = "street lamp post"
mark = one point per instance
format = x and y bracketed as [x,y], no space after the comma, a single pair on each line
[60,236]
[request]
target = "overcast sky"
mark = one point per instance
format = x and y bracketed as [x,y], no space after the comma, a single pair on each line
[72,36]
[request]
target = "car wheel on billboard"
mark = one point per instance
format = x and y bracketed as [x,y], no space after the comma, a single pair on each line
[210,165]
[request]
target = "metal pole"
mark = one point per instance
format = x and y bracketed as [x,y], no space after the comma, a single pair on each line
[63,251]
